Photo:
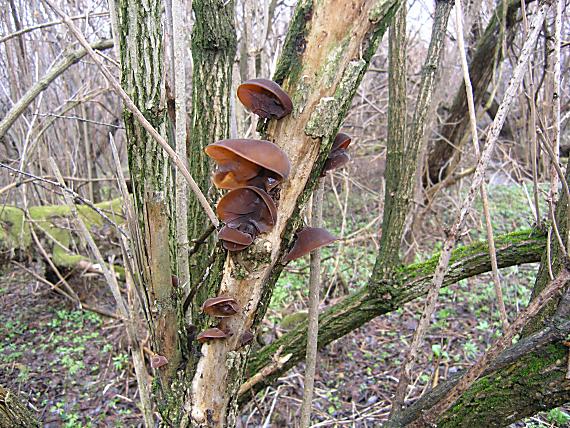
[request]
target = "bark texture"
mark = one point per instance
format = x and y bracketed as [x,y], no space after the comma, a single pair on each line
[401,172]
[13,413]
[214,45]
[485,60]
[141,51]
[393,216]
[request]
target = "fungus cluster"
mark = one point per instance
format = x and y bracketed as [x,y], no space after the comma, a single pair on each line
[251,171]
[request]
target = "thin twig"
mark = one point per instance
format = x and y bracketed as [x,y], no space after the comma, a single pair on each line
[313,322]
[556,98]
[130,105]
[532,125]
[475,138]
[54,287]
[53,73]
[179,44]
[137,355]
[478,176]
[49,24]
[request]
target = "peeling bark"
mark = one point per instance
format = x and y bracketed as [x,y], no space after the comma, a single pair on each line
[322,64]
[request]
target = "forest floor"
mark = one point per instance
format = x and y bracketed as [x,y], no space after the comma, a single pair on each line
[73,366]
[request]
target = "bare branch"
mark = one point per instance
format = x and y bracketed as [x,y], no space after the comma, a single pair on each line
[53,73]
[130,105]
[478,178]
[475,139]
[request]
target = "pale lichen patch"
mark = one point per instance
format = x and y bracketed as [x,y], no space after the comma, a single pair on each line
[322,120]
[379,10]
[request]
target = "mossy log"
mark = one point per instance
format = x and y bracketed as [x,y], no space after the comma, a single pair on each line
[54,224]
[527,378]
[411,282]
[13,413]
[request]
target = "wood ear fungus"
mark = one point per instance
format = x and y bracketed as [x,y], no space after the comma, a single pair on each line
[309,239]
[234,239]
[265,98]
[250,169]
[220,307]
[247,206]
[338,156]
[243,162]
[213,333]
[341,141]
[158,361]
[246,338]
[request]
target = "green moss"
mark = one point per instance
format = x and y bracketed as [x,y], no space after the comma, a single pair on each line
[536,363]
[323,119]
[292,320]
[54,222]
[380,9]
[463,252]
[14,232]
[331,64]
[289,64]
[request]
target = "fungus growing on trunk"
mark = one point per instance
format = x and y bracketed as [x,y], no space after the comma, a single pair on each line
[338,156]
[335,160]
[309,239]
[234,239]
[243,162]
[246,338]
[220,307]
[158,361]
[245,207]
[213,333]
[341,141]
[265,98]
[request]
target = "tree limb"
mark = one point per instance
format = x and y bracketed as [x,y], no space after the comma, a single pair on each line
[53,73]
[412,282]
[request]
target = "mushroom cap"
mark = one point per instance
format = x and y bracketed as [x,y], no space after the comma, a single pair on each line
[234,239]
[213,333]
[221,306]
[309,239]
[341,141]
[265,98]
[336,159]
[158,361]
[247,204]
[246,338]
[240,160]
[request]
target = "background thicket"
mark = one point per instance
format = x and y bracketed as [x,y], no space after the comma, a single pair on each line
[400,95]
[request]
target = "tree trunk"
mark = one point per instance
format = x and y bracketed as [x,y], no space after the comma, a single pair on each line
[321,66]
[141,51]
[13,413]
[486,59]
[214,45]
